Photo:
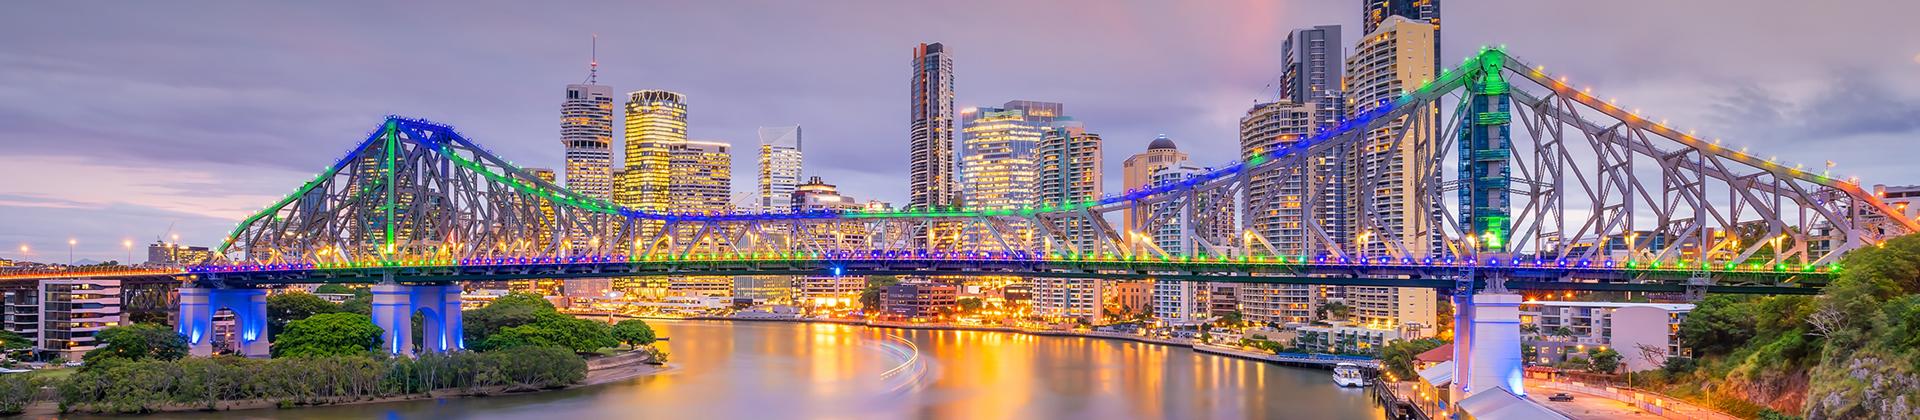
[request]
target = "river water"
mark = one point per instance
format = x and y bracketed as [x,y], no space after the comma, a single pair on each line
[767,370]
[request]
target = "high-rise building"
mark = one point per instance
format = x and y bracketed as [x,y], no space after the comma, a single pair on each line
[1070,162]
[1180,230]
[1275,206]
[1385,168]
[162,253]
[779,167]
[1426,11]
[1311,61]
[1137,173]
[547,222]
[997,164]
[930,179]
[586,129]
[656,123]
[840,235]
[700,177]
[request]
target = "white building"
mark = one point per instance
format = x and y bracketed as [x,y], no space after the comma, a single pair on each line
[1560,328]
[1344,338]
[780,159]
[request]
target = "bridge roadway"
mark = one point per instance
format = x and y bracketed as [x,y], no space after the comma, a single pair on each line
[1518,274]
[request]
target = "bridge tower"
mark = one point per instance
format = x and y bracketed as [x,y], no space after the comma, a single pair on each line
[1486,324]
[249,306]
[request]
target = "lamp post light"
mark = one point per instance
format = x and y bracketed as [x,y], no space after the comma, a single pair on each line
[70,244]
[128,244]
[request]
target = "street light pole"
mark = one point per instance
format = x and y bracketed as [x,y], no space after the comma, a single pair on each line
[70,243]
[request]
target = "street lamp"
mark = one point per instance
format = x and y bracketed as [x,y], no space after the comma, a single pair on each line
[70,243]
[128,244]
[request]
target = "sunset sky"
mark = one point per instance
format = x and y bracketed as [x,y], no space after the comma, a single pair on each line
[118,120]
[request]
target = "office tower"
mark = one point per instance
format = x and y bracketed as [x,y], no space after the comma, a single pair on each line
[656,122]
[1069,172]
[1137,173]
[930,165]
[997,164]
[779,167]
[586,129]
[547,222]
[1394,57]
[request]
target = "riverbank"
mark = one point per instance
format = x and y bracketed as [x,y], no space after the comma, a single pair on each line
[600,370]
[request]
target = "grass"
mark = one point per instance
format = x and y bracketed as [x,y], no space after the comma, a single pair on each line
[56,373]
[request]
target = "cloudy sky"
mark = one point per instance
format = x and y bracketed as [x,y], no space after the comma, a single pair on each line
[120,119]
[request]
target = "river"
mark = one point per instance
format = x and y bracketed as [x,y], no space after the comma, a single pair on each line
[767,370]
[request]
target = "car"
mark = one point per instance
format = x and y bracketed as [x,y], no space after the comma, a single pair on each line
[1563,397]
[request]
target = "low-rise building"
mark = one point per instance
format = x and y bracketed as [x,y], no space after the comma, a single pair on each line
[831,291]
[918,300]
[1343,338]
[1644,334]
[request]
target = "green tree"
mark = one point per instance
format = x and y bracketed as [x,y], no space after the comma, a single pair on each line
[9,341]
[287,307]
[1602,361]
[1718,325]
[137,342]
[633,332]
[514,309]
[1398,356]
[333,334]
[336,289]
[553,329]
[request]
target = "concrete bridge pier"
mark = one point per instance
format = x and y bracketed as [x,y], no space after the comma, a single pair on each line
[439,309]
[249,307]
[1487,343]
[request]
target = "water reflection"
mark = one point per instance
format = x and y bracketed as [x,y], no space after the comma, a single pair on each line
[726,370]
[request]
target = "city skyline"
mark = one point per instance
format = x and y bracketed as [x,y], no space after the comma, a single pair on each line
[136,170]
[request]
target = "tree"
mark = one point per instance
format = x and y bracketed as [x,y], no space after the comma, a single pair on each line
[1718,325]
[633,333]
[137,342]
[514,309]
[287,307]
[1602,361]
[1334,311]
[333,334]
[336,289]
[1397,358]
[553,329]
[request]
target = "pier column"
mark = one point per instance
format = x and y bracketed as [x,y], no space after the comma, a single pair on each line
[249,307]
[1493,355]
[439,307]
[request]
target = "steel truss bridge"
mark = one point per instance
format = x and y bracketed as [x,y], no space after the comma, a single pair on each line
[1528,179]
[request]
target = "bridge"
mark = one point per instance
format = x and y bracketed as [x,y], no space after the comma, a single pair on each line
[1517,180]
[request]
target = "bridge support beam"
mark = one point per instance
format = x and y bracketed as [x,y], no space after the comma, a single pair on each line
[439,309]
[1490,344]
[249,306]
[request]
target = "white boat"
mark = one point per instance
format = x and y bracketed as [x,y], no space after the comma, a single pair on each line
[1348,375]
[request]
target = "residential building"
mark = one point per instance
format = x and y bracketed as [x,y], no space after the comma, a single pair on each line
[1276,198]
[1426,11]
[1127,297]
[1383,171]
[1311,63]
[1069,162]
[586,130]
[61,316]
[763,289]
[780,159]
[1067,298]
[930,163]
[918,300]
[817,195]
[1644,334]
[1137,173]
[1181,231]
[1341,337]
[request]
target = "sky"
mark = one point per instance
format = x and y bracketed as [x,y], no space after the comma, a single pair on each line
[137,120]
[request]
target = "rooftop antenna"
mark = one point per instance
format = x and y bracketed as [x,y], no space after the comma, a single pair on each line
[593,66]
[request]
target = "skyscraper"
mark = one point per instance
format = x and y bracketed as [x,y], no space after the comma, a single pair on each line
[700,176]
[1069,172]
[1211,217]
[1276,206]
[586,129]
[1385,170]
[997,164]
[1428,11]
[779,167]
[656,122]
[1310,64]
[930,165]
[1137,172]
